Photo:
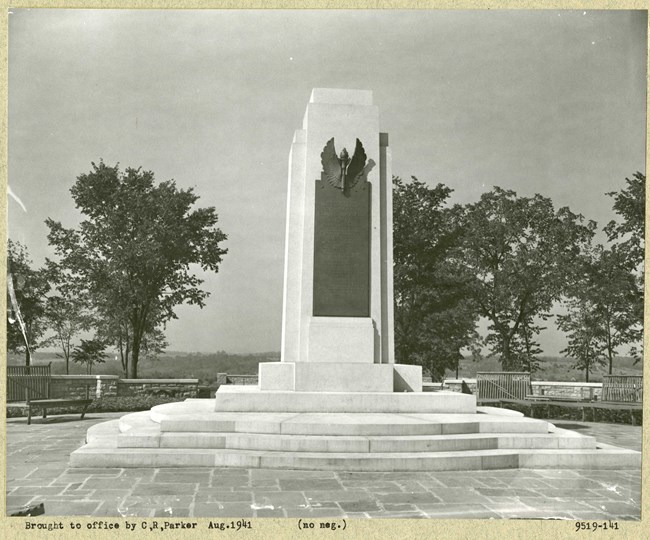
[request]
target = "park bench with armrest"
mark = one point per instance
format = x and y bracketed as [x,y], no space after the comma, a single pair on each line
[29,386]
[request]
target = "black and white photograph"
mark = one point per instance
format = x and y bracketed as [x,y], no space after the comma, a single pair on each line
[326,266]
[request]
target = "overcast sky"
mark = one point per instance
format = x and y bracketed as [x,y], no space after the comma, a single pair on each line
[549,102]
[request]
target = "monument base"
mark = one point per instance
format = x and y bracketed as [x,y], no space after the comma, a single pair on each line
[339,377]
[348,340]
[193,434]
[252,399]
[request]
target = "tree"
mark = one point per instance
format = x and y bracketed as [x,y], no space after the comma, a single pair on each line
[67,312]
[114,327]
[525,348]
[434,317]
[132,254]
[584,331]
[89,353]
[523,254]
[608,286]
[116,330]
[26,314]
[629,235]
[629,204]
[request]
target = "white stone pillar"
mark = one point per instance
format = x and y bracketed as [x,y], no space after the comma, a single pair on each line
[338,352]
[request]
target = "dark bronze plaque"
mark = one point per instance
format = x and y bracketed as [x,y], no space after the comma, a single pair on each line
[342,251]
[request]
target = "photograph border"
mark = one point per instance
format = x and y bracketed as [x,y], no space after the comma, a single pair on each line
[287,527]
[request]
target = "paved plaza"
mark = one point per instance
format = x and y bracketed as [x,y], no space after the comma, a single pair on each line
[38,471]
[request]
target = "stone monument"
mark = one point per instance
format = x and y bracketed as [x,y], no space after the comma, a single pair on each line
[337,399]
[337,327]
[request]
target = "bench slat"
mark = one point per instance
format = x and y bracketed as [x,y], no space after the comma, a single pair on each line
[45,404]
[58,401]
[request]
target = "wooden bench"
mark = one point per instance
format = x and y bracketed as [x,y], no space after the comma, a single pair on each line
[44,404]
[29,387]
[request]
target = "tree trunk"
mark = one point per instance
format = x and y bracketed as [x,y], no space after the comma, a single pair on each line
[135,356]
[505,354]
[133,366]
[610,363]
[28,357]
[508,363]
[529,356]
[123,360]
[610,357]
[587,373]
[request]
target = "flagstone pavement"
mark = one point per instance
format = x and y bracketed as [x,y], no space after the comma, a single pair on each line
[38,471]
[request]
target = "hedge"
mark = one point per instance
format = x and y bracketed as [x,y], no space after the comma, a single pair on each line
[578,412]
[104,404]
[615,414]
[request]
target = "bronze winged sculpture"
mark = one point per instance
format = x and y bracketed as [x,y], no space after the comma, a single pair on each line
[341,171]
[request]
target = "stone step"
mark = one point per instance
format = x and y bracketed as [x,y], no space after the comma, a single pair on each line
[104,434]
[359,425]
[605,456]
[150,438]
[138,420]
[237,398]
[317,424]
[602,458]
[182,419]
[331,442]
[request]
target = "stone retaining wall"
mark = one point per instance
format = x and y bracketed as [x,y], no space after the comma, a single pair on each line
[574,390]
[178,388]
[74,386]
[455,384]
[228,378]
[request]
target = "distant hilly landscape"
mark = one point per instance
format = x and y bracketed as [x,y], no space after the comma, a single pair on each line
[205,366]
[171,364]
[552,368]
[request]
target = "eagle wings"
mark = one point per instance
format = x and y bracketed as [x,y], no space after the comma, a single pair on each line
[341,171]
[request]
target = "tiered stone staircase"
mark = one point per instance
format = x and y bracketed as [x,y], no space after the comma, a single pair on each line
[244,427]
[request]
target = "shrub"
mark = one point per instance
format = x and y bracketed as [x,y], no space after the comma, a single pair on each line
[580,413]
[104,404]
[129,403]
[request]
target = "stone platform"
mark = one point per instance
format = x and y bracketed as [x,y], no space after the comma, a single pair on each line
[38,471]
[360,432]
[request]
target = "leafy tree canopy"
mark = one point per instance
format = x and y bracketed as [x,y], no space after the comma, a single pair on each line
[522,253]
[89,353]
[134,250]
[67,312]
[629,237]
[434,316]
[629,204]
[584,333]
[27,320]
